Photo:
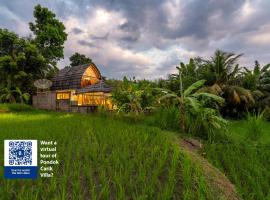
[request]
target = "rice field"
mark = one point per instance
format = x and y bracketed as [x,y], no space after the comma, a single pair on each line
[102,158]
[246,163]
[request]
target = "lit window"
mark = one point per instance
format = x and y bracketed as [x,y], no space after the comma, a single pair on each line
[63,96]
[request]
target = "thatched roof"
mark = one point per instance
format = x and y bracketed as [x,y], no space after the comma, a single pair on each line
[98,87]
[70,77]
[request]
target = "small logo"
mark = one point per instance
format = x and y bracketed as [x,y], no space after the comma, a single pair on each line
[20,159]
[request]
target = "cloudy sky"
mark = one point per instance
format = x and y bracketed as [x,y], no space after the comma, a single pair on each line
[148,38]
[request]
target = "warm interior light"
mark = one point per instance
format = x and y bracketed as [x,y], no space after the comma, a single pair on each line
[63,96]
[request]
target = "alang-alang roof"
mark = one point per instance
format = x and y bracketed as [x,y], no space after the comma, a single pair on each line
[71,77]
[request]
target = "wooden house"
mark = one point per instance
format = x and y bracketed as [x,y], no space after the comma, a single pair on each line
[76,89]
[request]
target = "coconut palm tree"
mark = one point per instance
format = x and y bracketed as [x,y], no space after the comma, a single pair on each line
[189,75]
[258,78]
[223,66]
[227,81]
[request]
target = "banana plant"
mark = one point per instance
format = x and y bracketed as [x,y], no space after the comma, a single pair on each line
[23,96]
[190,101]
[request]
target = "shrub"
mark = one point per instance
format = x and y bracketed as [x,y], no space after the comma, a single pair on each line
[207,124]
[267,113]
[15,107]
[165,118]
[3,109]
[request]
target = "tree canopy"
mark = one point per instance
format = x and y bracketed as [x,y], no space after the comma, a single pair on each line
[79,59]
[49,34]
[20,62]
[23,60]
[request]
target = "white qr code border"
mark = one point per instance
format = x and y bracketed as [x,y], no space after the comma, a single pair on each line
[34,153]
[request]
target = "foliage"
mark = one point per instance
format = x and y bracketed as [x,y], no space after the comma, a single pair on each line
[78,59]
[194,111]
[8,95]
[258,78]
[238,100]
[20,64]
[242,91]
[258,81]
[49,34]
[189,73]
[222,66]
[24,60]
[134,97]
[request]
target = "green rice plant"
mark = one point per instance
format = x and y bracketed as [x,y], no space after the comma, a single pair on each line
[193,180]
[254,125]
[100,158]
[246,165]
[165,118]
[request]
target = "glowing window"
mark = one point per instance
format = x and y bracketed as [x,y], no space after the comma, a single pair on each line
[63,96]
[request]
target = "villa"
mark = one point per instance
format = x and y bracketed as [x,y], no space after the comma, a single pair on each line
[75,89]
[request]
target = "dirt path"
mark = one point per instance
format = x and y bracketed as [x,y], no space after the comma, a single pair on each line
[221,187]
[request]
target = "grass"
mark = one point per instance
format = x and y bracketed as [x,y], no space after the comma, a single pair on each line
[102,158]
[17,107]
[245,162]
[241,156]
[242,153]
[238,131]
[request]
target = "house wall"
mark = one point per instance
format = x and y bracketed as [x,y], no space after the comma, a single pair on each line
[63,105]
[47,100]
[44,100]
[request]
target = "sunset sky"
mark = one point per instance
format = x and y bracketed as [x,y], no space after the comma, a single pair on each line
[148,38]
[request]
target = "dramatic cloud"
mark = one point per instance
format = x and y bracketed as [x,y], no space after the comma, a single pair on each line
[147,39]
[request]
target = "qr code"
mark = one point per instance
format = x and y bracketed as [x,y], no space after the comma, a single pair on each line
[20,152]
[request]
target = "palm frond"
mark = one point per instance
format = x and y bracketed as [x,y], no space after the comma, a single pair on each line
[247,70]
[212,97]
[265,68]
[235,98]
[167,96]
[214,89]
[257,94]
[163,90]
[235,71]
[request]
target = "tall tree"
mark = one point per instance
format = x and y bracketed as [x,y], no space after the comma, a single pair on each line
[78,59]
[222,66]
[20,64]
[258,78]
[188,73]
[49,34]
